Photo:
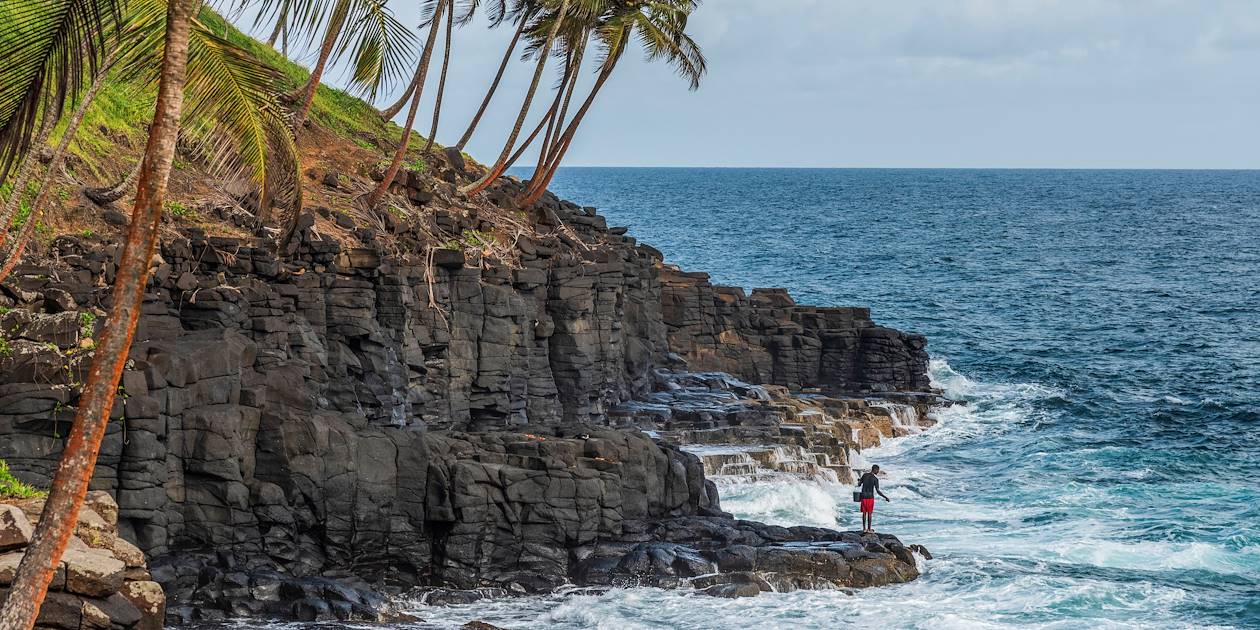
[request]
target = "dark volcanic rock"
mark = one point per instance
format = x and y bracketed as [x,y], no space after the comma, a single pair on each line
[299,433]
[720,551]
[768,338]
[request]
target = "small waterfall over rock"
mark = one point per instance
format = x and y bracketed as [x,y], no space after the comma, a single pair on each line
[744,432]
[754,462]
[905,418]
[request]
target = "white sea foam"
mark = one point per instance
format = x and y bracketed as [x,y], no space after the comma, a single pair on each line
[783,500]
[1026,556]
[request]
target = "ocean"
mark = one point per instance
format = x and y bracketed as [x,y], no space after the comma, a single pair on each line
[1103,328]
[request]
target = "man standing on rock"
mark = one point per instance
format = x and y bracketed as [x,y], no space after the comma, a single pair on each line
[870,487]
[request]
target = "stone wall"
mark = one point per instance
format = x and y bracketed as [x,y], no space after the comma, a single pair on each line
[102,580]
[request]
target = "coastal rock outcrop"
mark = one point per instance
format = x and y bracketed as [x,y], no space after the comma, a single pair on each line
[765,337]
[418,402]
[103,580]
[727,557]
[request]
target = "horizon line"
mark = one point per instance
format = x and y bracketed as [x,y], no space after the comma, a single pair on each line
[918,168]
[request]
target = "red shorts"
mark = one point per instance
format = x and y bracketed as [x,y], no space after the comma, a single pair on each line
[868,506]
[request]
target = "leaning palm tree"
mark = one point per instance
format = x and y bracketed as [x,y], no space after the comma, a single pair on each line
[70,483]
[548,119]
[521,15]
[377,43]
[660,26]
[441,88]
[555,21]
[51,50]
[429,8]
[232,113]
[422,71]
[284,15]
[27,166]
[574,47]
[14,254]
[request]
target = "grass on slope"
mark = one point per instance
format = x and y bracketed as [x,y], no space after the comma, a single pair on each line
[346,135]
[117,121]
[12,488]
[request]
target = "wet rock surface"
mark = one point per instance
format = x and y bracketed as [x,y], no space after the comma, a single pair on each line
[734,558]
[302,433]
[741,429]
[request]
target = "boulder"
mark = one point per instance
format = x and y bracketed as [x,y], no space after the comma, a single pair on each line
[149,599]
[15,529]
[94,573]
[101,502]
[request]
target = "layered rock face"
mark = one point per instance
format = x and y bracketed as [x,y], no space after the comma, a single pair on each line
[102,581]
[767,338]
[740,429]
[409,413]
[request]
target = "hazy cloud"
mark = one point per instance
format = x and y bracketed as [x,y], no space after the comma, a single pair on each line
[1091,83]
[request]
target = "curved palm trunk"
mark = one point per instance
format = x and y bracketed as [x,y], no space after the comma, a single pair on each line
[548,121]
[24,173]
[500,164]
[70,483]
[446,60]
[538,185]
[110,194]
[494,85]
[421,73]
[391,111]
[280,20]
[530,139]
[555,105]
[59,158]
[335,24]
[557,122]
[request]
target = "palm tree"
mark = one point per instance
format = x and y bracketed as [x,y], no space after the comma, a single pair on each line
[418,77]
[422,71]
[70,483]
[26,168]
[285,14]
[378,45]
[232,104]
[660,26]
[28,228]
[524,12]
[575,43]
[441,89]
[51,48]
[548,119]
[544,50]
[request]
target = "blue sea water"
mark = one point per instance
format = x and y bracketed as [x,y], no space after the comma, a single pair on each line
[1104,329]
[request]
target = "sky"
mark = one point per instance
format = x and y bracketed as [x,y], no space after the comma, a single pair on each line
[909,83]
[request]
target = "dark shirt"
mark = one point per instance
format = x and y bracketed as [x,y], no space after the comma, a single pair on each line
[869,483]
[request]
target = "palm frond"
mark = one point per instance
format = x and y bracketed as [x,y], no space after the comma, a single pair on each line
[228,97]
[380,46]
[232,113]
[51,50]
[298,14]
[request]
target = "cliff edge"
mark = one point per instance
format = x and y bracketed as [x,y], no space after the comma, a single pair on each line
[382,402]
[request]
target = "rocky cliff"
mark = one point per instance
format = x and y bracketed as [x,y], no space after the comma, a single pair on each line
[410,403]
